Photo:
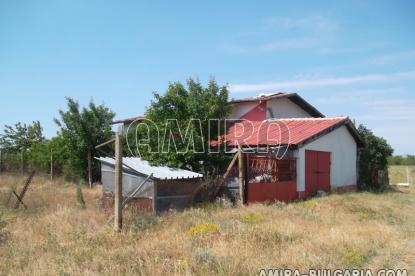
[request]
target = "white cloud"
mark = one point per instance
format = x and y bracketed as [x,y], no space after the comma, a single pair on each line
[285,33]
[320,82]
[315,22]
[393,58]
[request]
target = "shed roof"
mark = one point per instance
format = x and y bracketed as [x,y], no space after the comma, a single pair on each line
[284,132]
[144,167]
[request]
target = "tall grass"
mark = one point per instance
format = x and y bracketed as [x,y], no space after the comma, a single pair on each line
[55,237]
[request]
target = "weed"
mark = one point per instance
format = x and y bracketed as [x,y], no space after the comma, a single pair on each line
[354,257]
[252,218]
[141,222]
[203,229]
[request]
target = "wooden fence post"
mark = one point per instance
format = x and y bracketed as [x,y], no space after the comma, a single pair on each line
[1,161]
[241,165]
[51,165]
[118,180]
[89,169]
[154,197]
[22,161]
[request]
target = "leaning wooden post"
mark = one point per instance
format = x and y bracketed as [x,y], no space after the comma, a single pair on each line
[118,180]
[241,174]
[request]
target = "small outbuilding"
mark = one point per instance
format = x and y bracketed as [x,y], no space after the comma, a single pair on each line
[166,188]
[288,159]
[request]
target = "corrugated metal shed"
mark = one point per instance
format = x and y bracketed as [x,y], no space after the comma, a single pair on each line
[282,131]
[144,167]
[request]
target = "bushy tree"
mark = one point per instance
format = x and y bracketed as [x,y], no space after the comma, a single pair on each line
[82,130]
[183,109]
[21,137]
[373,157]
[20,145]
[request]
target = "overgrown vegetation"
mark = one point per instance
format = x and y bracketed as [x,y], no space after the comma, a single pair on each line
[55,237]
[373,160]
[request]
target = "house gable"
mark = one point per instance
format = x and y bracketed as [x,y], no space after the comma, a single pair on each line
[275,106]
[279,108]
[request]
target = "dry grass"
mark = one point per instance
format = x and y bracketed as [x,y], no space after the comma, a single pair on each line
[397,174]
[56,237]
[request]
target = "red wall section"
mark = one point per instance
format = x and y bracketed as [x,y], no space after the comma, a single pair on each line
[258,113]
[281,191]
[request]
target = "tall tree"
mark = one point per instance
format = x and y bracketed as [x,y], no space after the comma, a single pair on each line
[82,130]
[182,117]
[373,157]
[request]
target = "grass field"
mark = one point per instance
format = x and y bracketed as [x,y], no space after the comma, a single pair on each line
[57,237]
[397,174]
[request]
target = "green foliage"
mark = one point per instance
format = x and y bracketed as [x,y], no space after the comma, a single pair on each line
[79,196]
[21,137]
[186,105]
[408,160]
[82,130]
[373,157]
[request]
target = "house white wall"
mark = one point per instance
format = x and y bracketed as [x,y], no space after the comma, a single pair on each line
[343,150]
[284,108]
[240,109]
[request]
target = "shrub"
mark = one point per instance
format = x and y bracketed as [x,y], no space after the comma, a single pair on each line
[373,159]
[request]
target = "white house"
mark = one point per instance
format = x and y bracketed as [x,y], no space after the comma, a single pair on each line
[306,152]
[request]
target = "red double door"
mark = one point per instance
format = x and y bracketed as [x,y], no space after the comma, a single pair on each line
[317,172]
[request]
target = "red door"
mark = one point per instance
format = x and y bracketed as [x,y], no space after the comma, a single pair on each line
[317,172]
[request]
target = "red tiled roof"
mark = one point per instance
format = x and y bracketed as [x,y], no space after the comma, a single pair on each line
[280,131]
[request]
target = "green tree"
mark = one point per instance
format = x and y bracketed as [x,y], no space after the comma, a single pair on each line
[373,157]
[82,130]
[17,141]
[21,137]
[191,108]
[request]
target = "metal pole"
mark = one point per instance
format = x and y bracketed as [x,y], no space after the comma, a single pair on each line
[118,181]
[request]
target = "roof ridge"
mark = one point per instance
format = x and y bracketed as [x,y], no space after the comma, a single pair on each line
[309,119]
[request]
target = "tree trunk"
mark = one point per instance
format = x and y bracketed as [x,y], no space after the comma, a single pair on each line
[89,169]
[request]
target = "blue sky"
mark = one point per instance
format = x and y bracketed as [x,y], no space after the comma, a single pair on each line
[353,58]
